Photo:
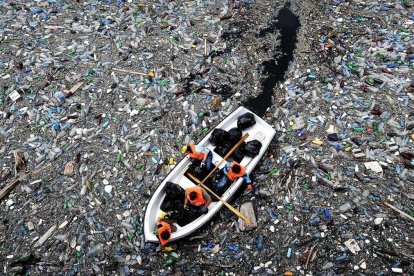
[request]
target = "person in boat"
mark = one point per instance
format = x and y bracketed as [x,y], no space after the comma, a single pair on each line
[164,230]
[173,205]
[229,173]
[198,198]
[199,155]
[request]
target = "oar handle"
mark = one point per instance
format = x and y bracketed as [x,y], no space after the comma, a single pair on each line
[234,210]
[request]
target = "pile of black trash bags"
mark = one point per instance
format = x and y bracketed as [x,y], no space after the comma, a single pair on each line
[225,140]
[173,205]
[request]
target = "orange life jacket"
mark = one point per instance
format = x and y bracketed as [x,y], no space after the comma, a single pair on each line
[163,227]
[199,200]
[195,154]
[232,175]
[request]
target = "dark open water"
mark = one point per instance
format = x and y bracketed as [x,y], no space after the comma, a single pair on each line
[274,70]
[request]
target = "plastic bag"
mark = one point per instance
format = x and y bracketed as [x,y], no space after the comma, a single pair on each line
[222,150]
[176,214]
[238,154]
[174,191]
[200,172]
[197,171]
[174,198]
[219,137]
[245,121]
[235,135]
[252,148]
[169,204]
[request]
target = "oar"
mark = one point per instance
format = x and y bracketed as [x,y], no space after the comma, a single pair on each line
[225,157]
[234,210]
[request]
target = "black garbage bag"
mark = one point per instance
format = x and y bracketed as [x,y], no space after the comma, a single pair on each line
[245,121]
[238,154]
[189,215]
[194,169]
[200,172]
[169,204]
[174,197]
[252,148]
[222,150]
[235,135]
[176,214]
[174,191]
[219,137]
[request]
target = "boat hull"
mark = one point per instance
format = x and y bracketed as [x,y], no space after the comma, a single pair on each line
[261,131]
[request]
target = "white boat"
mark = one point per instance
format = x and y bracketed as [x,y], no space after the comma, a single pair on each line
[261,131]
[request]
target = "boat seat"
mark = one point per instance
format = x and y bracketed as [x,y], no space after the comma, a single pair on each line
[185,182]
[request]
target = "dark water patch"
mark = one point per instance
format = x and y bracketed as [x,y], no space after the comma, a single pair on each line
[287,23]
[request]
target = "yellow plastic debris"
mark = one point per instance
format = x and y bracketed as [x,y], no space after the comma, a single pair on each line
[412,137]
[168,249]
[151,74]
[162,215]
[348,148]
[317,142]
[171,160]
